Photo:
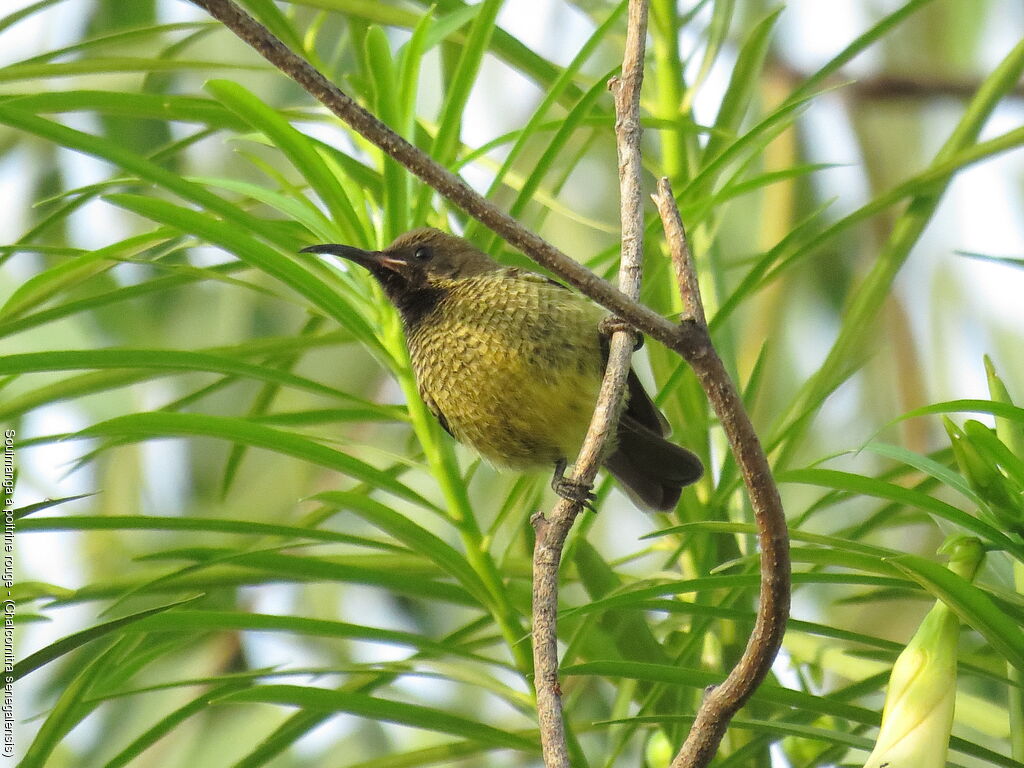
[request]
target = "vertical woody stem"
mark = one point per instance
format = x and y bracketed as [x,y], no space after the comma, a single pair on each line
[552,531]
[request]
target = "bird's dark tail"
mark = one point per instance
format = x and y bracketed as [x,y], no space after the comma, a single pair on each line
[651,470]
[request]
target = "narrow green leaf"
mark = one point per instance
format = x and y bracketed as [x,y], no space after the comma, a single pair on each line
[627,597]
[749,529]
[70,273]
[448,25]
[224,621]
[71,642]
[103,65]
[881,489]
[295,209]
[387,91]
[1003,410]
[929,466]
[381,710]
[552,96]
[557,144]
[117,39]
[864,41]
[168,723]
[287,733]
[23,13]
[316,417]
[263,257]
[298,149]
[970,603]
[746,74]
[863,307]
[30,509]
[1004,260]
[106,298]
[754,280]
[449,129]
[693,678]
[504,45]
[148,426]
[414,536]
[166,359]
[145,168]
[205,524]
[442,754]
[69,710]
[750,143]
[103,380]
[277,22]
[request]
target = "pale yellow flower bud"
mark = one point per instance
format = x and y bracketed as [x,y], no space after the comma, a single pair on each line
[918,714]
[918,711]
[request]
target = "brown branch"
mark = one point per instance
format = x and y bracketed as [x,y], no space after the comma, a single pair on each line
[689,339]
[446,183]
[893,86]
[723,701]
[886,87]
[682,258]
[551,532]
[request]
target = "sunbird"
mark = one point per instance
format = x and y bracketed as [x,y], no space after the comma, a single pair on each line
[510,362]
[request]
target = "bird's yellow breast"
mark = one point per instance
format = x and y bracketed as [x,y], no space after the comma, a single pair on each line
[512,364]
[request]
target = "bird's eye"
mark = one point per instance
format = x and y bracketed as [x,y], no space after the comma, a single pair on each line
[424,253]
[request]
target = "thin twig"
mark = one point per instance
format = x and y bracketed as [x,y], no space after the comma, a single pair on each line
[723,701]
[551,532]
[679,251]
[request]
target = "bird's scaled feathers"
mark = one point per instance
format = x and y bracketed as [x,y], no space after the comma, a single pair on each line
[511,363]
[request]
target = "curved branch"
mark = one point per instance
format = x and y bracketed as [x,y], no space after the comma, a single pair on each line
[723,701]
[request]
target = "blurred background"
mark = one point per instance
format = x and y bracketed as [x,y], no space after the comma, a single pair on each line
[111,279]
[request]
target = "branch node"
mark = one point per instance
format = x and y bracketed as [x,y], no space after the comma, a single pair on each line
[612,324]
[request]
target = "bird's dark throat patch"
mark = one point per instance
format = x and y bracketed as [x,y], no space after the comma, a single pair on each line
[414,305]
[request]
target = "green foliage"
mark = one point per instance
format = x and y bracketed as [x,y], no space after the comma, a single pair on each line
[312,513]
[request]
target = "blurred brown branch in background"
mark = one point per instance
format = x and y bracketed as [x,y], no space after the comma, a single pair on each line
[890,86]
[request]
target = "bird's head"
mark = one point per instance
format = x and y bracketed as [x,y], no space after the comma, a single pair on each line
[420,259]
[417,269]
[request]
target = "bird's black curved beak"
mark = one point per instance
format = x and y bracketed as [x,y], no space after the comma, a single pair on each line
[372,260]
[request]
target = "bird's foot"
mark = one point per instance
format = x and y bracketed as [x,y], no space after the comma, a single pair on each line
[580,493]
[612,324]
